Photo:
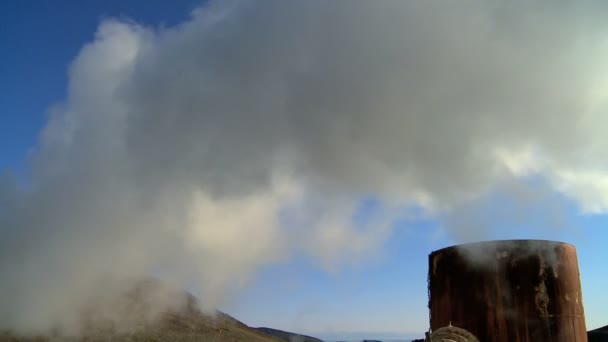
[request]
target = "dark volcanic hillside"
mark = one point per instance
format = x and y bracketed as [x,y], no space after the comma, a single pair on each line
[598,335]
[182,326]
[288,336]
[182,323]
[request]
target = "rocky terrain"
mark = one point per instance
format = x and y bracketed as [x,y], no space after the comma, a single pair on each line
[288,336]
[598,335]
[174,327]
[182,323]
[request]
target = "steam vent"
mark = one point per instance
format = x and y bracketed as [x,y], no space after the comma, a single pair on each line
[508,291]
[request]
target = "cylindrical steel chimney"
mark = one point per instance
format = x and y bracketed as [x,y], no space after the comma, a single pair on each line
[508,291]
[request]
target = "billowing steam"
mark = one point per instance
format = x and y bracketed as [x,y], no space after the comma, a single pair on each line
[253,131]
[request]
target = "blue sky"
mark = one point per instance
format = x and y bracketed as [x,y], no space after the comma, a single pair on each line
[384,293]
[39,40]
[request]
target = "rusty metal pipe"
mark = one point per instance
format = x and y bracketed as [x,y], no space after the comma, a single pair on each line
[508,291]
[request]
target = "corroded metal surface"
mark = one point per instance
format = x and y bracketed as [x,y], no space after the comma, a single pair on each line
[508,291]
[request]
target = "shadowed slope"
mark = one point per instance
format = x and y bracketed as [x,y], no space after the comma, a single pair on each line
[135,320]
[598,335]
[288,336]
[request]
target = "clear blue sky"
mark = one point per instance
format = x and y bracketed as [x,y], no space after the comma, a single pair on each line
[39,39]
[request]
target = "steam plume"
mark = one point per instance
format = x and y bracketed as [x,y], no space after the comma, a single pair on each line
[252,131]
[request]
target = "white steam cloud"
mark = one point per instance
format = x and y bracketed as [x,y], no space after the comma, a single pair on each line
[252,132]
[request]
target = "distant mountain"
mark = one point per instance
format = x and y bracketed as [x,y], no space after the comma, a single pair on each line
[184,323]
[598,335]
[288,336]
[183,326]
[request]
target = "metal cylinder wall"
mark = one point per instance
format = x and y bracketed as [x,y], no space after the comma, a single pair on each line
[508,291]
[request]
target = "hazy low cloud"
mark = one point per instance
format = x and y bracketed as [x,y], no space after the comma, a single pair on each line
[252,132]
